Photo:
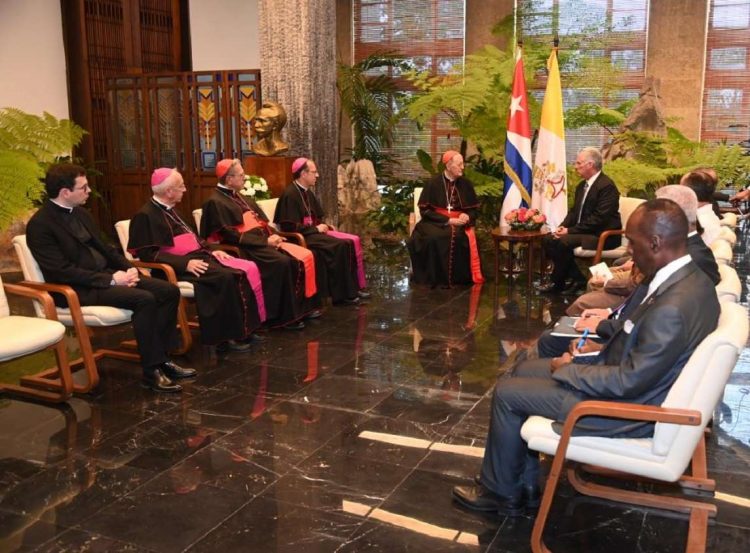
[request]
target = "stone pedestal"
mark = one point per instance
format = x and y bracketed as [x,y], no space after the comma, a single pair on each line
[277,170]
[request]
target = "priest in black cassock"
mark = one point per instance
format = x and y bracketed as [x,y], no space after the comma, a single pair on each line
[228,293]
[289,290]
[338,259]
[443,247]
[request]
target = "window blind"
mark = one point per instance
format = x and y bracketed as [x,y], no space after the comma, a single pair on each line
[430,34]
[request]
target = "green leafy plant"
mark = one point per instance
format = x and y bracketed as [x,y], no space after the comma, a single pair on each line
[396,203]
[28,144]
[371,100]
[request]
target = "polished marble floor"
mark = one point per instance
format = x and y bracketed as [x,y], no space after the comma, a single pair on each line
[347,436]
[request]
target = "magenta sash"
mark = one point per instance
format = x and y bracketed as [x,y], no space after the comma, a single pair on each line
[187,243]
[358,252]
[253,277]
[183,244]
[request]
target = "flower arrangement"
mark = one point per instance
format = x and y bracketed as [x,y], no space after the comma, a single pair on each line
[525,219]
[256,187]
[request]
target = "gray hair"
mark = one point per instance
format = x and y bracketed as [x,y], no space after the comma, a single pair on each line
[161,188]
[684,197]
[593,154]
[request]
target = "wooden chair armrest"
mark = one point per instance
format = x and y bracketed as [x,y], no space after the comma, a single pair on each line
[166,269]
[602,239]
[39,295]
[630,411]
[293,236]
[68,292]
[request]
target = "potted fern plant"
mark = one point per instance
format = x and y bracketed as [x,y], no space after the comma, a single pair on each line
[28,144]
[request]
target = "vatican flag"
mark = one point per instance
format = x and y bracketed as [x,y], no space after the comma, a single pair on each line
[550,193]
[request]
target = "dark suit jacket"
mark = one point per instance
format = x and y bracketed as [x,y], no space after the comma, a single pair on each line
[64,258]
[601,211]
[703,257]
[645,356]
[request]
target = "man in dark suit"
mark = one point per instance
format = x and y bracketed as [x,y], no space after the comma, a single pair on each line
[639,363]
[596,209]
[604,322]
[66,243]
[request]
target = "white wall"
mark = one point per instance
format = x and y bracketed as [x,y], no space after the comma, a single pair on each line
[224,34]
[32,58]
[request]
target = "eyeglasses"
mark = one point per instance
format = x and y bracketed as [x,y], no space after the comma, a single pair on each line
[79,188]
[237,175]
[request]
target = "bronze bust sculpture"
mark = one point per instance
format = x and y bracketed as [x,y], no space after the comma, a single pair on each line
[267,125]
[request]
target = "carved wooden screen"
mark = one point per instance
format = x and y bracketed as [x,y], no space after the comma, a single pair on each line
[105,38]
[185,120]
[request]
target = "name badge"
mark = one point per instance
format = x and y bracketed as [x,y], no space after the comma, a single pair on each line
[628,326]
[307,221]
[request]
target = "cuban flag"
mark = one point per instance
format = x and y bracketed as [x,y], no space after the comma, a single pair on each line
[517,163]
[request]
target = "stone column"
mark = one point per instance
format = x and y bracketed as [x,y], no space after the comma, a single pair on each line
[676,54]
[298,70]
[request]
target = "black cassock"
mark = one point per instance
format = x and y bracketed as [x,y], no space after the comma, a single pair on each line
[300,211]
[282,275]
[225,301]
[440,252]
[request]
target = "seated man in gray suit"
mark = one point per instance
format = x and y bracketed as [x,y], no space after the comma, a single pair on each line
[639,363]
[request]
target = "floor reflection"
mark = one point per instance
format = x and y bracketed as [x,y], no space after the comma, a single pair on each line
[346,436]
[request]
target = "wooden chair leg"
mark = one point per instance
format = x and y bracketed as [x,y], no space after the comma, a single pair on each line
[65,379]
[537,533]
[186,338]
[50,379]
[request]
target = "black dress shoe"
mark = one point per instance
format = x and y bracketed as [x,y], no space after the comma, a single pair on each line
[157,381]
[175,372]
[233,345]
[298,325]
[351,301]
[550,288]
[315,314]
[364,294]
[479,498]
[532,495]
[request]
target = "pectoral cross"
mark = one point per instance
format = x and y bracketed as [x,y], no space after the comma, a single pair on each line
[449,208]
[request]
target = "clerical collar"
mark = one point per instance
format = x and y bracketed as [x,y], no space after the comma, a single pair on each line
[63,207]
[692,233]
[158,202]
[224,187]
[302,186]
[446,178]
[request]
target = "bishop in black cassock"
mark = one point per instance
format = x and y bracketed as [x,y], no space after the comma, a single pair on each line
[443,246]
[230,218]
[228,307]
[300,211]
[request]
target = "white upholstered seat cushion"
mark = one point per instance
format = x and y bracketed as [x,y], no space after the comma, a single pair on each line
[25,335]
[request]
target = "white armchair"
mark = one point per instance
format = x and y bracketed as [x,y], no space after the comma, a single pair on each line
[81,318]
[722,251]
[627,207]
[678,436]
[729,287]
[415,216]
[27,335]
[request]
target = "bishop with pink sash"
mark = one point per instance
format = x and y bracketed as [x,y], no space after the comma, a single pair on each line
[228,290]
[339,263]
